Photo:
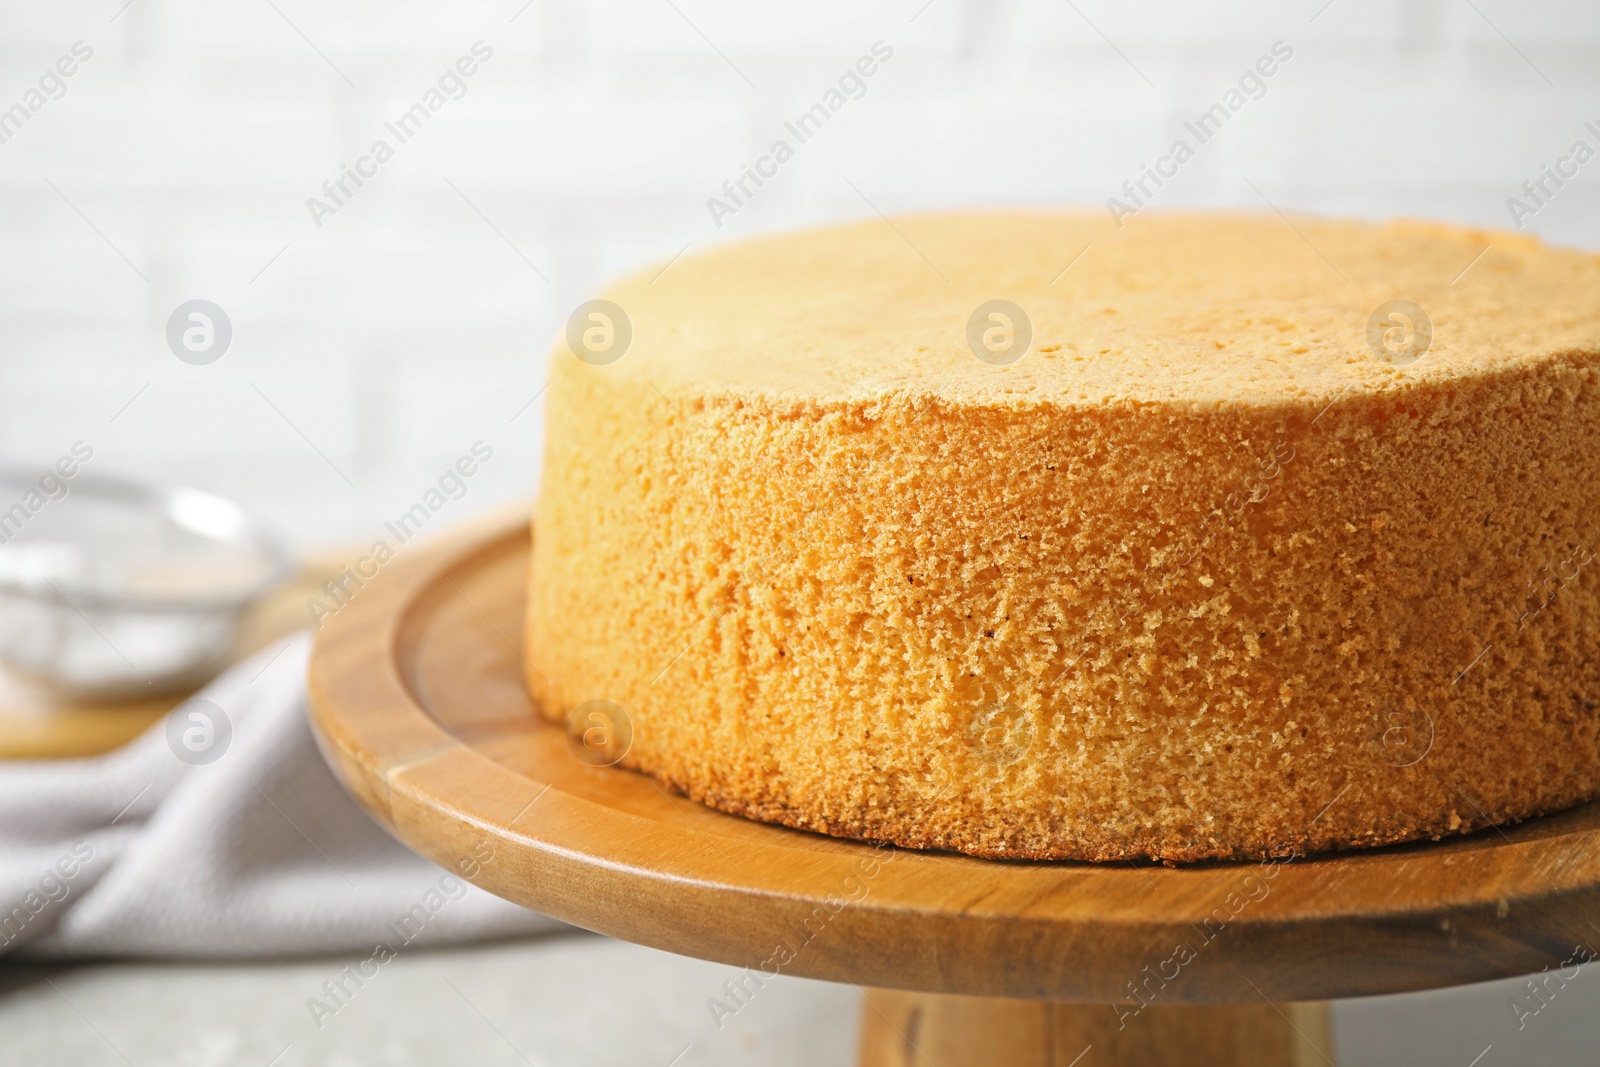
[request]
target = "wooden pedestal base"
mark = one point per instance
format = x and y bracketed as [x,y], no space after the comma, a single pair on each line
[926,1030]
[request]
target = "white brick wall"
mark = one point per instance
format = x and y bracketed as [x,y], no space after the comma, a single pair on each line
[405,328]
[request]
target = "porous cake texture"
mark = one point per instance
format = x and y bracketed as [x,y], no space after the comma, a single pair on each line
[1213,568]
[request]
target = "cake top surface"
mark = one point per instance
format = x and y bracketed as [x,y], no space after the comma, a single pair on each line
[1168,308]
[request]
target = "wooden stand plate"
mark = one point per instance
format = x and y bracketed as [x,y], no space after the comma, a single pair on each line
[418,702]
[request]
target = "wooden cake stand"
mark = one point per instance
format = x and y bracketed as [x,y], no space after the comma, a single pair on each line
[418,702]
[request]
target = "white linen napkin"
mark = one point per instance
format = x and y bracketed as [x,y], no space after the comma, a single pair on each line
[223,835]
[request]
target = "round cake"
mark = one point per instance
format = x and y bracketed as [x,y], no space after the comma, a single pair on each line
[1029,536]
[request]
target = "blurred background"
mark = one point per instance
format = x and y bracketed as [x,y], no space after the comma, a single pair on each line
[371,350]
[382,328]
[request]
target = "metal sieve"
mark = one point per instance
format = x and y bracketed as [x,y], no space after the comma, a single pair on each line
[112,587]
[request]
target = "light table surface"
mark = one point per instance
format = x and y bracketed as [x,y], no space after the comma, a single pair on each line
[583,1000]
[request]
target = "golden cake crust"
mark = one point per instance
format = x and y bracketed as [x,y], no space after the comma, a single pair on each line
[1203,574]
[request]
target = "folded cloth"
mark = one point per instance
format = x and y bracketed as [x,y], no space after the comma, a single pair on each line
[220,832]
